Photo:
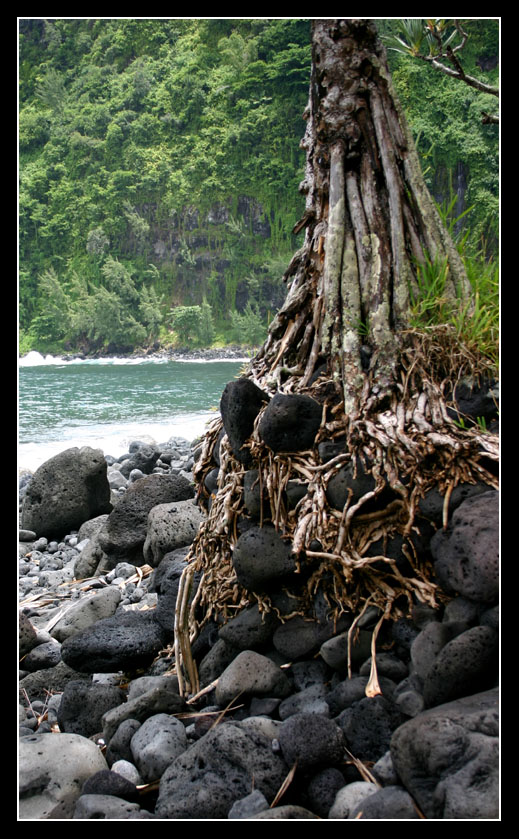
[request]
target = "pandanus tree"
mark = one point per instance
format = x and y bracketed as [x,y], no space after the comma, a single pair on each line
[344,337]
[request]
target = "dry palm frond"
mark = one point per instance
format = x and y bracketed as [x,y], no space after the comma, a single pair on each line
[284,786]
[362,769]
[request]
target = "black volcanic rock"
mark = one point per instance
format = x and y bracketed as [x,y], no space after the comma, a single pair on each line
[290,422]
[240,404]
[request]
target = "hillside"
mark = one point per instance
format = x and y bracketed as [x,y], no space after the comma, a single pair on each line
[160,165]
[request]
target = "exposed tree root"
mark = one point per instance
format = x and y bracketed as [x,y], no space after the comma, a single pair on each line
[412,445]
[343,337]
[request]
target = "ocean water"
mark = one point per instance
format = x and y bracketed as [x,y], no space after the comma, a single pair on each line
[106,403]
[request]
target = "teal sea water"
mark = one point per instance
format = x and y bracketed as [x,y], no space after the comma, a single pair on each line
[107,403]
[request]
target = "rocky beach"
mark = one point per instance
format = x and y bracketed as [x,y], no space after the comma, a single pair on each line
[292,720]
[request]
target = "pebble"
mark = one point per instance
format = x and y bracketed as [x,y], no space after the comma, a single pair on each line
[350,797]
[100,712]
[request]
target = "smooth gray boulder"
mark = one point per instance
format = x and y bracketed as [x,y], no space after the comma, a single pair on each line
[284,812]
[158,700]
[249,807]
[52,771]
[251,674]
[349,797]
[118,748]
[391,802]
[42,657]
[91,559]
[159,740]
[66,491]
[311,700]
[91,528]
[87,611]
[91,806]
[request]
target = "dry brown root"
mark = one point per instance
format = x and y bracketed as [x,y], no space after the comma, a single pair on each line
[412,446]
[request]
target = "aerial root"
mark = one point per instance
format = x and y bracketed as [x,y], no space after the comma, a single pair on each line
[410,445]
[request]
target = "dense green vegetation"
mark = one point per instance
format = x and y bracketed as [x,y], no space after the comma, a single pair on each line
[160,164]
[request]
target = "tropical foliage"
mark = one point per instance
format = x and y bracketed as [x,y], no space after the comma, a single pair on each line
[159,169]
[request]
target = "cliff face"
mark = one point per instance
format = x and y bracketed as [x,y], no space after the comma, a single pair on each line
[223,254]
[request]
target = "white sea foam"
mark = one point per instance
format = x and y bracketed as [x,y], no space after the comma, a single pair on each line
[36,359]
[114,439]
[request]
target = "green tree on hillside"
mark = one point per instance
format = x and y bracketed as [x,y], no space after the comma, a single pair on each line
[51,323]
[186,321]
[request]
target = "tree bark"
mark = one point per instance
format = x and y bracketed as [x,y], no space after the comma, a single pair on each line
[369,216]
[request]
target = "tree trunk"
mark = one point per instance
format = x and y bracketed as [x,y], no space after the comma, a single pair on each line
[369,217]
[343,337]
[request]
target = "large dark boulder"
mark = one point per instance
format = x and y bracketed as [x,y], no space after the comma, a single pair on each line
[26,635]
[219,769]
[261,558]
[474,400]
[38,685]
[106,782]
[467,664]
[431,506]
[240,404]
[255,497]
[83,704]
[466,554]
[368,725]
[290,422]
[165,583]
[448,758]
[126,641]
[66,491]
[170,526]
[351,483]
[124,532]
[250,629]
[312,740]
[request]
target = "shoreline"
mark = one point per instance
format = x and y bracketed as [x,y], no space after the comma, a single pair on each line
[112,436]
[232,352]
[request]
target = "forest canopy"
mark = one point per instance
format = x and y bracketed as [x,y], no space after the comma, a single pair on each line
[160,163]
